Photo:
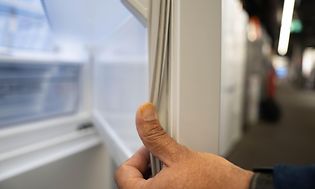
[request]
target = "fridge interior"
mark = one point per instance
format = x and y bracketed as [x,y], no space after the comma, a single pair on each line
[65,87]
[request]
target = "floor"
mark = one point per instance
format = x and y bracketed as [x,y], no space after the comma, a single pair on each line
[290,141]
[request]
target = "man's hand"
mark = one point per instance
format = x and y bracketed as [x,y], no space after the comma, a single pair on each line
[183,168]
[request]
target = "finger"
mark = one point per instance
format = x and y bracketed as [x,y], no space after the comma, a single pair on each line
[130,174]
[140,160]
[154,137]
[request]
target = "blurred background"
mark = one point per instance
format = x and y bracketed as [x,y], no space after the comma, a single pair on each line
[69,68]
[277,101]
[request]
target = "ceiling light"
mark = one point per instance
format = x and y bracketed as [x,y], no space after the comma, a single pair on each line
[286,22]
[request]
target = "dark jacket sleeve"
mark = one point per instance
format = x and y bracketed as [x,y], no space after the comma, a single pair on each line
[294,177]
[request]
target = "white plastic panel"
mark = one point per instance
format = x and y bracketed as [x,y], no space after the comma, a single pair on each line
[120,86]
[139,8]
[91,21]
[196,65]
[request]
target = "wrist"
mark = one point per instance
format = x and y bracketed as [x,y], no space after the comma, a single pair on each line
[241,179]
[247,178]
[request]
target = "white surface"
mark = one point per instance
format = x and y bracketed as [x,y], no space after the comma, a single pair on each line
[120,82]
[41,58]
[121,143]
[91,21]
[89,169]
[32,5]
[140,9]
[44,144]
[43,125]
[30,157]
[197,56]
[175,73]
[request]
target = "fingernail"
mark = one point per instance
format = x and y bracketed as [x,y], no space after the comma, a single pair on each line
[148,112]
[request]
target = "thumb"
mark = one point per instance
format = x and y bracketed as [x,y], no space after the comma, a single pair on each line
[154,136]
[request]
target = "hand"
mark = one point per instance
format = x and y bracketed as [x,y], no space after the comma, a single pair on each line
[183,168]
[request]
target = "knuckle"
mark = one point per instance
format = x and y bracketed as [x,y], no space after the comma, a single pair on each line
[154,132]
[122,180]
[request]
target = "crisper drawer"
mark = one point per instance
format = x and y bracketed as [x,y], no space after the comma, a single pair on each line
[36,91]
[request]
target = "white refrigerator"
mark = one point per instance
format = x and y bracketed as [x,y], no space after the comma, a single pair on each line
[67,114]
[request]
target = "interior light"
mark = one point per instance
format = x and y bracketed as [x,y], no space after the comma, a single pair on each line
[286,22]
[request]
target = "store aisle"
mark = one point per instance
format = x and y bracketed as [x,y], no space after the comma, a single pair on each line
[291,141]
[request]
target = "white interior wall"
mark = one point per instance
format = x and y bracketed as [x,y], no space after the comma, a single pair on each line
[120,86]
[234,21]
[89,169]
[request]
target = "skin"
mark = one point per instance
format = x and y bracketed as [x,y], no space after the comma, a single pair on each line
[184,168]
